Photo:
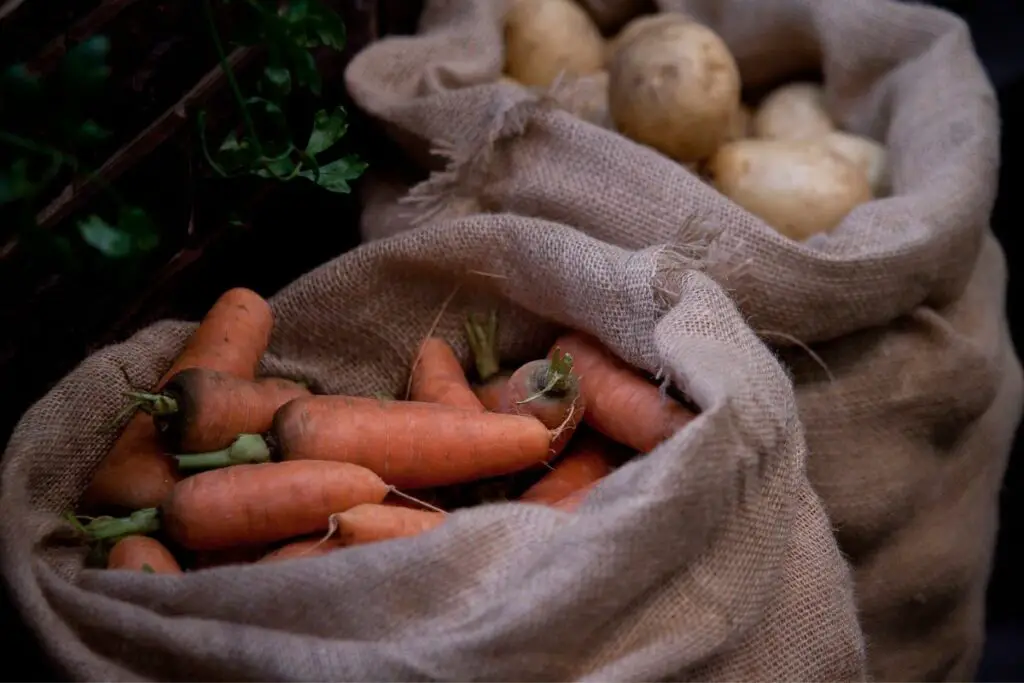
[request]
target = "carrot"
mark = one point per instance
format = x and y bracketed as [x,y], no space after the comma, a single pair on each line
[621,404]
[247,449]
[369,523]
[142,553]
[310,547]
[424,500]
[201,410]
[549,391]
[410,444]
[482,337]
[231,338]
[590,456]
[438,377]
[207,559]
[573,501]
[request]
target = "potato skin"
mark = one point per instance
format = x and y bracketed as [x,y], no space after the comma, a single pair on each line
[795,111]
[865,154]
[544,38]
[675,87]
[799,187]
[641,25]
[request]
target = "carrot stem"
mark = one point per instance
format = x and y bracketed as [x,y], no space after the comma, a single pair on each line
[555,380]
[247,449]
[154,404]
[483,343]
[140,522]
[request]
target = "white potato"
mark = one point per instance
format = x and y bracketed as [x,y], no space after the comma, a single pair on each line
[675,87]
[799,187]
[740,125]
[544,38]
[864,153]
[793,112]
[640,25]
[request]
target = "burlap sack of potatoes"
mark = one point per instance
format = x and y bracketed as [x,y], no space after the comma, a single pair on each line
[909,427]
[709,558]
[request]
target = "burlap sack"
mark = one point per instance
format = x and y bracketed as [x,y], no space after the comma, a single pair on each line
[912,391]
[709,558]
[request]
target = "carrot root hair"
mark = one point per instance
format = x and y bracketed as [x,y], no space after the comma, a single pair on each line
[333,520]
[430,332]
[247,449]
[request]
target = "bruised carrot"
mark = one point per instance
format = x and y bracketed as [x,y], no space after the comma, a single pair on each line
[621,404]
[232,337]
[142,553]
[369,523]
[408,443]
[549,391]
[310,547]
[201,410]
[589,458]
[438,377]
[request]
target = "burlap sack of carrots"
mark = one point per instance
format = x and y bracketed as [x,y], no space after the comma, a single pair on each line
[710,557]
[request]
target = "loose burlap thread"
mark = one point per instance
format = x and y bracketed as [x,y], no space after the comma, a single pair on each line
[712,557]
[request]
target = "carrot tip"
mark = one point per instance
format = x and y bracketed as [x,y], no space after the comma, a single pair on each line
[247,449]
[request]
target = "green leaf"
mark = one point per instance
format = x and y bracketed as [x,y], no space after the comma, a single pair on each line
[277,81]
[312,24]
[281,168]
[18,82]
[136,223]
[90,133]
[146,569]
[304,66]
[328,27]
[15,183]
[333,177]
[327,130]
[236,155]
[84,67]
[110,241]
[271,126]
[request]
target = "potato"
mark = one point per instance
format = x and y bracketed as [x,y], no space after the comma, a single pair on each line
[740,124]
[865,154]
[793,112]
[587,98]
[543,38]
[675,87]
[799,187]
[638,26]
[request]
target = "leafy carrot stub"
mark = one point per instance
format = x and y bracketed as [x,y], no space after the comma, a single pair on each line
[408,443]
[438,377]
[549,391]
[231,338]
[202,410]
[142,553]
[247,449]
[253,504]
[482,336]
[621,404]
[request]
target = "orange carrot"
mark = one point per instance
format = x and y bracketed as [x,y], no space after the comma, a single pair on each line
[369,523]
[207,559]
[253,504]
[408,443]
[491,393]
[310,547]
[573,501]
[621,404]
[428,497]
[438,377]
[201,410]
[231,338]
[549,391]
[142,553]
[590,456]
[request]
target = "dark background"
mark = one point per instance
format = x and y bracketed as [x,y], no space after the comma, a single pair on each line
[998,30]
